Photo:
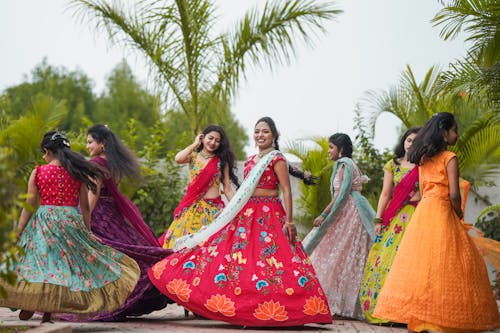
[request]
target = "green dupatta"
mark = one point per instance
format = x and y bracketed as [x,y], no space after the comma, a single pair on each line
[364,208]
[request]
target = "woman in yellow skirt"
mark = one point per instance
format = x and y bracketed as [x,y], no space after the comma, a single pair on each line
[211,162]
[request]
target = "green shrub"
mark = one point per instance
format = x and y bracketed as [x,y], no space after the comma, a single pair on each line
[10,205]
[488,222]
[159,194]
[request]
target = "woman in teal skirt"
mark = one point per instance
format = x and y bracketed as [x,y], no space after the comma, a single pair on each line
[64,268]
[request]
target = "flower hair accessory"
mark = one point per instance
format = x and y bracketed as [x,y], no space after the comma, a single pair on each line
[59,136]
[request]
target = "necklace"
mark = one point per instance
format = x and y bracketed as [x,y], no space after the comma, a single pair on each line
[206,156]
[265,151]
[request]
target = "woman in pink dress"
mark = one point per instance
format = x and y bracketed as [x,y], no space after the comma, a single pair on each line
[246,267]
[341,240]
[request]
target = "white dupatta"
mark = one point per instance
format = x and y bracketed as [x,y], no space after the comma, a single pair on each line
[234,206]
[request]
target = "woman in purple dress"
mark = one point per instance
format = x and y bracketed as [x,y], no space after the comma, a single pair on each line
[119,224]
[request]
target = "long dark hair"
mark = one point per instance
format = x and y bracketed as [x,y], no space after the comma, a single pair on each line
[74,163]
[294,171]
[224,152]
[399,151]
[343,143]
[430,141]
[121,161]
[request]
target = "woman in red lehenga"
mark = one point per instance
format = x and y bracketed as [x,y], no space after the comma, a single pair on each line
[246,267]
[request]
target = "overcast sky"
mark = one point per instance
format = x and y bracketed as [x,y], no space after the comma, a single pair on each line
[366,48]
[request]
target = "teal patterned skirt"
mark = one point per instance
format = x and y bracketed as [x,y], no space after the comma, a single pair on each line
[64,268]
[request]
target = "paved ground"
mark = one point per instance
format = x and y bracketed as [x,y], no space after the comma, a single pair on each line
[172,319]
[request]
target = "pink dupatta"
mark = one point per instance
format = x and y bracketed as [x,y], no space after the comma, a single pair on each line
[127,208]
[403,192]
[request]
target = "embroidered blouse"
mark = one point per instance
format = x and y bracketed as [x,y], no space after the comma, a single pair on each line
[268,180]
[56,186]
[196,166]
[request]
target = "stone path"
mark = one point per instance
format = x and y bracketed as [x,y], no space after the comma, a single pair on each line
[172,319]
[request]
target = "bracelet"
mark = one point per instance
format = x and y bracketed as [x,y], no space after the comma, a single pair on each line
[377,220]
[323,215]
[290,223]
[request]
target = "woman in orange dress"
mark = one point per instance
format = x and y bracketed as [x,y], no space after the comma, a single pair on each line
[438,280]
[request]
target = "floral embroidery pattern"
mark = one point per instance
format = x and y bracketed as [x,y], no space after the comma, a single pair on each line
[196,281]
[246,263]
[315,305]
[180,288]
[271,310]
[158,269]
[222,304]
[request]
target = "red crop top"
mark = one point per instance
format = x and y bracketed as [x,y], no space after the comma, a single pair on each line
[56,186]
[268,180]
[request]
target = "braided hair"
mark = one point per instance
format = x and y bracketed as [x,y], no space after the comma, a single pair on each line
[308,179]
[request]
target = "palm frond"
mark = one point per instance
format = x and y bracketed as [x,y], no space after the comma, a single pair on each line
[270,37]
[24,134]
[479,19]
[412,102]
[136,29]
[313,198]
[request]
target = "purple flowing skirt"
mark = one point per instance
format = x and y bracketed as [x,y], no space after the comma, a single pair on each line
[109,225]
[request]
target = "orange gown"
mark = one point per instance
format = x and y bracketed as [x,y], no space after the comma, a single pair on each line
[438,280]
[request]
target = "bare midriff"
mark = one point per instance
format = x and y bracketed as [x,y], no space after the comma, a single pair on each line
[265,192]
[213,192]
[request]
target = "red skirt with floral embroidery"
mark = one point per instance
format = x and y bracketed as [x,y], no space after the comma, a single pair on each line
[247,273]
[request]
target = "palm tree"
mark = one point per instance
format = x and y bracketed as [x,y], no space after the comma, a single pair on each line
[479,71]
[313,199]
[478,147]
[189,59]
[412,102]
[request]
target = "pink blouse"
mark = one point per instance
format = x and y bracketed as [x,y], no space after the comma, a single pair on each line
[268,180]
